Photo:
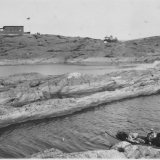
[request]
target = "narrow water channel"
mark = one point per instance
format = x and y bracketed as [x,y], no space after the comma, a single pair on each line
[83,130]
[57,69]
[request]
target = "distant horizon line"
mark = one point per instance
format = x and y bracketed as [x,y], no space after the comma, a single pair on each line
[95,38]
[90,37]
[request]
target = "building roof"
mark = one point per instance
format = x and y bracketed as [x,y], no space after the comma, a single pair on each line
[12,26]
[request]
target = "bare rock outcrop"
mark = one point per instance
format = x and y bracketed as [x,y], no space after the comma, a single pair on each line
[20,89]
[52,96]
[121,150]
[54,153]
[137,151]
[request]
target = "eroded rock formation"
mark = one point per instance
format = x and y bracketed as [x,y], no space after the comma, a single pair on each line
[121,150]
[54,153]
[33,96]
[137,151]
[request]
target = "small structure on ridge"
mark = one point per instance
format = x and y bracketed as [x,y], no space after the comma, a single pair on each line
[12,30]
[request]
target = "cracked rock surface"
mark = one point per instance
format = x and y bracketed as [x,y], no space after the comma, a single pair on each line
[33,96]
[122,150]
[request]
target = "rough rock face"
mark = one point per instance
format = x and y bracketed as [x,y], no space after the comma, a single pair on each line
[123,150]
[54,153]
[40,49]
[33,96]
[137,151]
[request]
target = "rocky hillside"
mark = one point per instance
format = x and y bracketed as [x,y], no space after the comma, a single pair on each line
[56,49]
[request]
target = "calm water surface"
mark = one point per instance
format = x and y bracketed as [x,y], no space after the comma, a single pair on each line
[57,69]
[83,130]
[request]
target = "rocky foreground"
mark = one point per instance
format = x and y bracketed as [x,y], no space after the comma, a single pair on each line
[44,49]
[33,96]
[122,150]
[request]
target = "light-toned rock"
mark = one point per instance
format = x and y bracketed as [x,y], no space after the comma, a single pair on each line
[74,74]
[59,107]
[121,150]
[34,96]
[54,153]
[137,151]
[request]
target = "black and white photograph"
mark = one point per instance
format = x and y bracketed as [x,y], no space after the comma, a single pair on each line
[79,79]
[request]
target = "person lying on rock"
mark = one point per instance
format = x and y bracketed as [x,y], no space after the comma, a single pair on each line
[132,137]
[135,138]
[151,135]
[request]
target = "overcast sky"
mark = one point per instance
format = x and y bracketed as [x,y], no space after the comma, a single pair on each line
[124,19]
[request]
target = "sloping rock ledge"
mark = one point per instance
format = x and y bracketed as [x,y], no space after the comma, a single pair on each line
[33,96]
[122,150]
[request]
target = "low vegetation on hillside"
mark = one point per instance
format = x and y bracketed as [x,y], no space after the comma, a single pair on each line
[43,46]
